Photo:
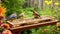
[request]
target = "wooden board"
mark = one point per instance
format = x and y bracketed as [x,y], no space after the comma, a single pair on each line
[18,22]
[33,26]
[31,23]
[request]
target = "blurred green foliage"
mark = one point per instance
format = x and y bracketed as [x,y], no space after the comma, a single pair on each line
[13,6]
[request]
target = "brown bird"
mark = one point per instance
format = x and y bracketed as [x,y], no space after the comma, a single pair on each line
[36,15]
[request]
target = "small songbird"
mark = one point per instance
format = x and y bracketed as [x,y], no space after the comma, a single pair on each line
[36,15]
[12,16]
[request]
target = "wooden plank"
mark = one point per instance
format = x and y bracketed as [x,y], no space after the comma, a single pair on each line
[33,26]
[28,21]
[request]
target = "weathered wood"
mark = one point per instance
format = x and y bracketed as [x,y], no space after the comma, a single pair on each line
[33,26]
[40,3]
[36,23]
[18,22]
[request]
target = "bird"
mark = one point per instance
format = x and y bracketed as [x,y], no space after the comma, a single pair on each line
[36,15]
[12,16]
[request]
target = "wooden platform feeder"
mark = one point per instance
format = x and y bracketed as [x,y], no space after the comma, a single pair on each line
[27,24]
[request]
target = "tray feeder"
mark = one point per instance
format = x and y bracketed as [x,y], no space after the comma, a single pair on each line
[28,23]
[20,24]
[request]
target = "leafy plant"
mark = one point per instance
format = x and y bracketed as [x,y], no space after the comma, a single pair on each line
[13,6]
